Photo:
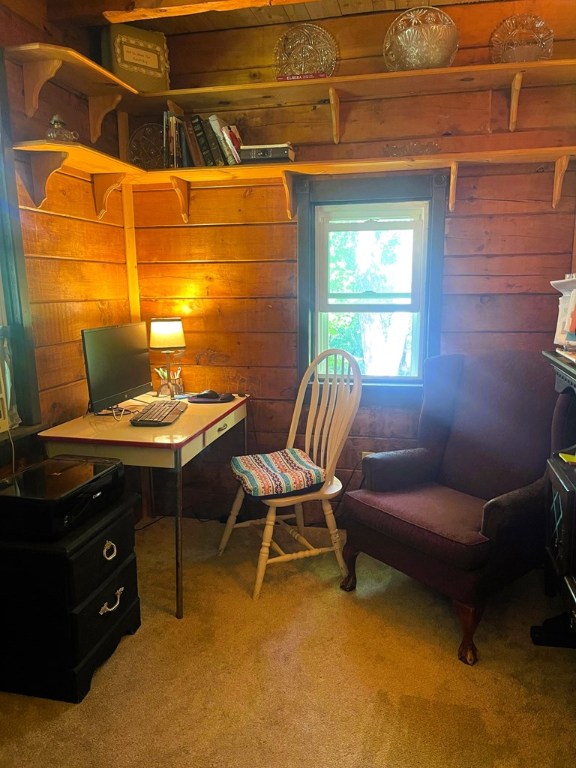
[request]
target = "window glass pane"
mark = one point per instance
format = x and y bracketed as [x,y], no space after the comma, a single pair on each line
[386,344]
[370,267]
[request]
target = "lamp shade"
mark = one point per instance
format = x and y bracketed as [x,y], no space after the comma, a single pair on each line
[167,333]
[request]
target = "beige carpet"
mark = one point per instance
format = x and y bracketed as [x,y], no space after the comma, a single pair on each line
[309,676]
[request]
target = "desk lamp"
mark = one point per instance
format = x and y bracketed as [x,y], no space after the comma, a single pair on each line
[167,335]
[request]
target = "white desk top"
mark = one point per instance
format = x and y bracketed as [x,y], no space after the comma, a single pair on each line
[107,436]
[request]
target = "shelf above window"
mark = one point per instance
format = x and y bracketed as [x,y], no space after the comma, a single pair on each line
[108,173]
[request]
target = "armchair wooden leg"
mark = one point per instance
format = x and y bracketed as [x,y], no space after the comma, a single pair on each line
[469,616]
[348,583]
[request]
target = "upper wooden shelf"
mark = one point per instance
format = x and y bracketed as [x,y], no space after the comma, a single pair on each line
[108,173]
[42,62]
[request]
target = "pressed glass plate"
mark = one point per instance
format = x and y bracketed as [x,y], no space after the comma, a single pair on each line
[420,38]
[521,38]
[305,51]
[145,148]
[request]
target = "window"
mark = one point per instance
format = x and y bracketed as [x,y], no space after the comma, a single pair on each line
[370,269]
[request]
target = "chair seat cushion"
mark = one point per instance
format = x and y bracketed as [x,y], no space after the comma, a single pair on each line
[281,473]
[432,519]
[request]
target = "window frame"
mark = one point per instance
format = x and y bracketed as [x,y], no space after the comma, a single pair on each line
[311,192]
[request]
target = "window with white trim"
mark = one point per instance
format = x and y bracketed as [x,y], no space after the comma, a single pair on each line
[370,284]
[370,259]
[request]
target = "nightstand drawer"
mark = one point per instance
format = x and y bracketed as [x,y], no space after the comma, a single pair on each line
[98,615]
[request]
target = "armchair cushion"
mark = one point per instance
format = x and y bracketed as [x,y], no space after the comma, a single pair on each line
[394,470]
[432,519]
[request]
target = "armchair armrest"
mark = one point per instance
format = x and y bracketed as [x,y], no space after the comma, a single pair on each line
[394,470]
[524,506]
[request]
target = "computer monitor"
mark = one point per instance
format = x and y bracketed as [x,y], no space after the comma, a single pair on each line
[117,363]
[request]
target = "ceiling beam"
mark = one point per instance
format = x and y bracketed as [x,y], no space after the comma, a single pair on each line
[140,10]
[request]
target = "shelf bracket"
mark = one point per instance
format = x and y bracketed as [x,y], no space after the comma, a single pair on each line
[288,184]
[560,167]
[98,108]
[335,113]
[182,190]
[42,166]
[515,89]
[35,74]
[102,185]
[453,182]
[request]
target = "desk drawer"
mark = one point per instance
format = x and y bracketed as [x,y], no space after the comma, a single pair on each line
[224,425]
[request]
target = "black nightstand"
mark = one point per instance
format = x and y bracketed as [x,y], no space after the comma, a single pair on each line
[67,603]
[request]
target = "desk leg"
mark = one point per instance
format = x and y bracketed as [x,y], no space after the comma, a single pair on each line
[178,538]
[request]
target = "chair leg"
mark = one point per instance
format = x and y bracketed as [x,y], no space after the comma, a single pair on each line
[264,551]
[469,616]
[334,535]
[231,519]
[348,583]
[299,511]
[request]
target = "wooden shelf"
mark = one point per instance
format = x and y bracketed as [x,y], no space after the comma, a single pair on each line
[107,173]
[42,62]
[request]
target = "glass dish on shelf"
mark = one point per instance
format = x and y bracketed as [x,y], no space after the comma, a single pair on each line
[145,148]
[420,38]
[305,51]
[521,38]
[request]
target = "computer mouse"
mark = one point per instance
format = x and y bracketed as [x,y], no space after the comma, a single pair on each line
[208,394]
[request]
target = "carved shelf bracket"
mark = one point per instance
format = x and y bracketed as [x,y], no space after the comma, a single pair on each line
[514,100]
[98,108]
[35,74]
[452,190]
[560,167]
[182,190]
[288,184]
[42,166]
[335,112]
[102,185]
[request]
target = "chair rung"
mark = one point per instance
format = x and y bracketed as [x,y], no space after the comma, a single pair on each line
[262,520]
[299,555]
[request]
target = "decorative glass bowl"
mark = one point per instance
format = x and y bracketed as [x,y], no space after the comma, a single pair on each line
[421,38]
[521,38]
[305,51]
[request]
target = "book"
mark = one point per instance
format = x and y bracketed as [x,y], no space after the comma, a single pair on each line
[228,149]
[267,153]
[195,122]
[193,146]
[219,158]
[137,56]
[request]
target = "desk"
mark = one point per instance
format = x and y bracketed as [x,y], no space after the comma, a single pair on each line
[154,447]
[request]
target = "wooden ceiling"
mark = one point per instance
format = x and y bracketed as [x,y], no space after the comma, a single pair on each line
[183,16]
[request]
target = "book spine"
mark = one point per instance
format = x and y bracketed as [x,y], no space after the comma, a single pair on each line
[232,141]
[197,127]
[219,158]
[193,146]
[216,124]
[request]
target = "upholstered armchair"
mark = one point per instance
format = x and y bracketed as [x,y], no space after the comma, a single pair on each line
[463,511]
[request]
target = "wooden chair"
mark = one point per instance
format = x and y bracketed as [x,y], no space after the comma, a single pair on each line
[331,387]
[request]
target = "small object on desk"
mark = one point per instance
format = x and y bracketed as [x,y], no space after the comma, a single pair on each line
[211,396]
[567,458]
[159,414]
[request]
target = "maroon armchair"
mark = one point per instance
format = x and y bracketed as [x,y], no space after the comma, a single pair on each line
[463,512]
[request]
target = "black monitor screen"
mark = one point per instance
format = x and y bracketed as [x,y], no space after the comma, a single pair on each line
[117,364]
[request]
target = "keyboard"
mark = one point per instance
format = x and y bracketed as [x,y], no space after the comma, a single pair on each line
[159,414]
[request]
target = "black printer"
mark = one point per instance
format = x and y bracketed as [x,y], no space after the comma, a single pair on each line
[46,500]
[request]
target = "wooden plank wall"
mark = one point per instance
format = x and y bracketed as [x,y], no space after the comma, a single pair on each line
[231,272]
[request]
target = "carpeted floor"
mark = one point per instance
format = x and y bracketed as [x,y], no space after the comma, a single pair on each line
[307,677]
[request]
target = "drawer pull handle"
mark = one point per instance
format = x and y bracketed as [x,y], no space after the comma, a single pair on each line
[106,609]
[222,428]
[110,550]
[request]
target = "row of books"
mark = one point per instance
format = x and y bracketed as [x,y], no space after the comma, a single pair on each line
[196,141]
[190,141]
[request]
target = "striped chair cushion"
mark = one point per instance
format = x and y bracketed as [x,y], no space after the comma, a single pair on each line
[277,474]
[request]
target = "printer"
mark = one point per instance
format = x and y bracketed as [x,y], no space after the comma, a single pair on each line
[46,500]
